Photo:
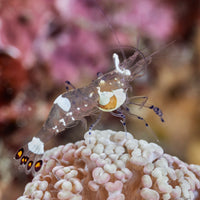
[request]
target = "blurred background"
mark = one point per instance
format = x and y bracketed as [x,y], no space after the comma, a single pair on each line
[44,44]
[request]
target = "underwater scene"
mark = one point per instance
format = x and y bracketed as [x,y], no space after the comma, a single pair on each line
[109,86]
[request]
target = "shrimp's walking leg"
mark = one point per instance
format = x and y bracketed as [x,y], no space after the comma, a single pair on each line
[134,101]
[128,111]
[141,118]
[123,118]
[157,111]
[94,124]
[84,123]
[69,86]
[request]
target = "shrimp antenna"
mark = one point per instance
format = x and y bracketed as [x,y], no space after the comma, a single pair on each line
[158,50]
[162,48]
[111,28]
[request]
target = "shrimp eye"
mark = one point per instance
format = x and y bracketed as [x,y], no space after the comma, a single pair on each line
[38,165]
[29,165]
[24,160]
[19,153]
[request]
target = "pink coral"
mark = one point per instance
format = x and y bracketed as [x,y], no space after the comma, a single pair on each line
[68,34]
[114,166]
[20,24]
[146,16]
[68,53]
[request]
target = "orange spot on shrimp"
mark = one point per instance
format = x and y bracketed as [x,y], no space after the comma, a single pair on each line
[30,163]
[24,160]
[111,105]
[19,153]
[38,165]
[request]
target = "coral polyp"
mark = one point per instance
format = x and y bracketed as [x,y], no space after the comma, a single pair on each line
[114,166]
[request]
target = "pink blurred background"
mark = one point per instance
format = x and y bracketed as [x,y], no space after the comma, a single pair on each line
[43,44]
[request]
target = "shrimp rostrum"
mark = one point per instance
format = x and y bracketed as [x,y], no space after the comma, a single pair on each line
[108,93]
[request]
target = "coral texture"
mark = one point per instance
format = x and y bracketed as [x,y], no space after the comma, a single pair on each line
[114,166]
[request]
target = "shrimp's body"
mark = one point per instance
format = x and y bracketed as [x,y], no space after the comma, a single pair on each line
[107,93]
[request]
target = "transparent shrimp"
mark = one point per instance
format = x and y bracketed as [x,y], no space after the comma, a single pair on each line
[108,93]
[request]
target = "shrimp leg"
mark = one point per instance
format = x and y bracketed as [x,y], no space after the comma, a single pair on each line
[122,116]
[129,112]
[133,101]
[94,124]
[69,86]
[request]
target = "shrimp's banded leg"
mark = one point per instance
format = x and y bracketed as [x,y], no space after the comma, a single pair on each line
[94,124]
[143,103]
[157,111]
[123,118]
[129,112]
[139,117]
[69,86]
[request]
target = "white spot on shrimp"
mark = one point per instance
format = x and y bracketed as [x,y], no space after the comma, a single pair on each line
[102,82]
[78,108]
[86,105]
[69,113]
[55,127]
[104,97]
[62,121]
[63,103]
[91,94]
[117,63]
[36,146]
[110,83]
[73,118]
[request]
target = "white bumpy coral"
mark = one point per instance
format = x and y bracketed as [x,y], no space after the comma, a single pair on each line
[111,165]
